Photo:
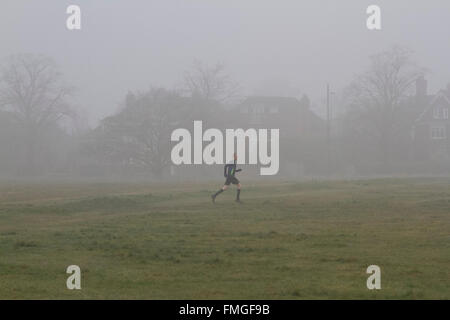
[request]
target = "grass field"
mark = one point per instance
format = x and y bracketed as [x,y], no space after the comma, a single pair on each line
[311,240]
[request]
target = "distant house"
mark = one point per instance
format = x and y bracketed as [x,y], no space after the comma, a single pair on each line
[431,129]
[301,130]
[293,117]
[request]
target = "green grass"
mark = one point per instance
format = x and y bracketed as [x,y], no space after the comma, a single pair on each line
[311,240]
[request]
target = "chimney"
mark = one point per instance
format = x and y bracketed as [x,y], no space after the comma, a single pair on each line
[130,99]
[421,87]
[305,102]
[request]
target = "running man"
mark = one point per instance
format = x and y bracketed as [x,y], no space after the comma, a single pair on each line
[229,172]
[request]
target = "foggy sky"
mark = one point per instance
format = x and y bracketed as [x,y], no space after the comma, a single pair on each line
[299,45]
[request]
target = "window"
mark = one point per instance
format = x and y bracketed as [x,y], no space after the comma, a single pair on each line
[438,133]
[273,110]
[445,110]
[436,113]
[259,109]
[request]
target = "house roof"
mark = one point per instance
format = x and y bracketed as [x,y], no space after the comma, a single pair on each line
[301,106]
[273,100]
[444,94]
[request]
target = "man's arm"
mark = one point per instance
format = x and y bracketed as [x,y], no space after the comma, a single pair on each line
[235,169]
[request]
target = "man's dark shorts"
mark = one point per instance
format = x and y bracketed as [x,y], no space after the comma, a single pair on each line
[232,180]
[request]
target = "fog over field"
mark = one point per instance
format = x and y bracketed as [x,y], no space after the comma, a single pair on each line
[224,149]
[291,49]
[294,46]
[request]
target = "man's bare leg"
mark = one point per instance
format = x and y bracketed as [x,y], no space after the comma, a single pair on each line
[238,194]
[213,197]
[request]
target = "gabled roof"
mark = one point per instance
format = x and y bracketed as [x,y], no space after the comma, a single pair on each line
[271,100]
[441,94]
[301,106]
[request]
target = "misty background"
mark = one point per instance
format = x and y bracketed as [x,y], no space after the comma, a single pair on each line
[133,57]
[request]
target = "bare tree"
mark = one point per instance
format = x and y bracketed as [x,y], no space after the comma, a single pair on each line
[139,135]
[31,90]
[211,83]
[375,98]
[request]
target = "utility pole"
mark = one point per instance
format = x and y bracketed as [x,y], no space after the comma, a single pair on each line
[328,131]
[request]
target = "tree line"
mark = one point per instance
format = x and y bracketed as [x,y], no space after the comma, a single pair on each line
[39,133]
